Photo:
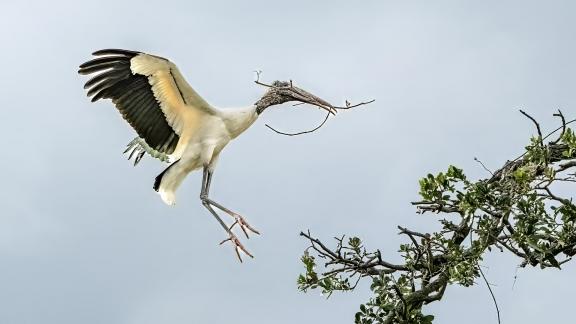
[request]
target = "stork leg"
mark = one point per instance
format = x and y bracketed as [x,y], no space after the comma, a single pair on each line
[238,219]
[207,203]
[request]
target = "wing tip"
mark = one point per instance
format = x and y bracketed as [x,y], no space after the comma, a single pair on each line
[116,51]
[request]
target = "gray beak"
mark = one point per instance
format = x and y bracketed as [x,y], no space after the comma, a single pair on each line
[306,97]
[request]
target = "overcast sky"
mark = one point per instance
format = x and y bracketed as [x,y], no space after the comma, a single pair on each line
[85,239]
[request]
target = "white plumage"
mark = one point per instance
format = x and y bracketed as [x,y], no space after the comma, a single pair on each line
[202,148]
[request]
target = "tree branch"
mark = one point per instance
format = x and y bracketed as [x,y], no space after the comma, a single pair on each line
[515,209]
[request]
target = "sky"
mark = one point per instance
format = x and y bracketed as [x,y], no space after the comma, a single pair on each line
[85,239]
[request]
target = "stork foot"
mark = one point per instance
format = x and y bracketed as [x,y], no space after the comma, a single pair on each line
[237,246]
[240,221]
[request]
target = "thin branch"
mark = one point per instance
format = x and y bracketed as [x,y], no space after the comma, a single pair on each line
[257,81]
[482,164]
[435,207]
[561,115]
[491,293]
[566,166]
[535,123]
[495,238]
[350,106]
[554,197]
[317,241]
[341,259]
[559,128]
[303,132]
[539,133]
[404,230]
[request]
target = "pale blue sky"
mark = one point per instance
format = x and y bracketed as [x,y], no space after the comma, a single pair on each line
[85,239]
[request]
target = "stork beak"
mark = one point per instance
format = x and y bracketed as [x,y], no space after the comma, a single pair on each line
[306,97]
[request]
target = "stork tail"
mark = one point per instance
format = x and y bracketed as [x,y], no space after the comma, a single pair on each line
[159,177]
[167,182]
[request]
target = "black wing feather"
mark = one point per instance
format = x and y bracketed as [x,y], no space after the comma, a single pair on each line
[104,66]
[132,95]
[116,51]
[100,60]
[113,74]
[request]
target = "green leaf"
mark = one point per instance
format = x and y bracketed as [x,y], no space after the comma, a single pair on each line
[427,319]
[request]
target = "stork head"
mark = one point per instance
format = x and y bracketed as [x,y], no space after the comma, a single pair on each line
[280,92]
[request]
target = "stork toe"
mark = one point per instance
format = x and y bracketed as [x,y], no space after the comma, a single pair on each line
[237,246]
[240,221]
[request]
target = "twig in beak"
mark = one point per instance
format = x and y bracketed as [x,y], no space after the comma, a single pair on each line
[303,132]
[281,92]
[348,105]
[257,81]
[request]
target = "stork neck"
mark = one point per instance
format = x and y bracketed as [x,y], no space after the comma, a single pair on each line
[237,120]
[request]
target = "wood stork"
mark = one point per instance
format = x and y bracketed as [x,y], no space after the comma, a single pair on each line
[175,124]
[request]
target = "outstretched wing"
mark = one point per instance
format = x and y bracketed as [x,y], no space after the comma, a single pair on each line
[150,93]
